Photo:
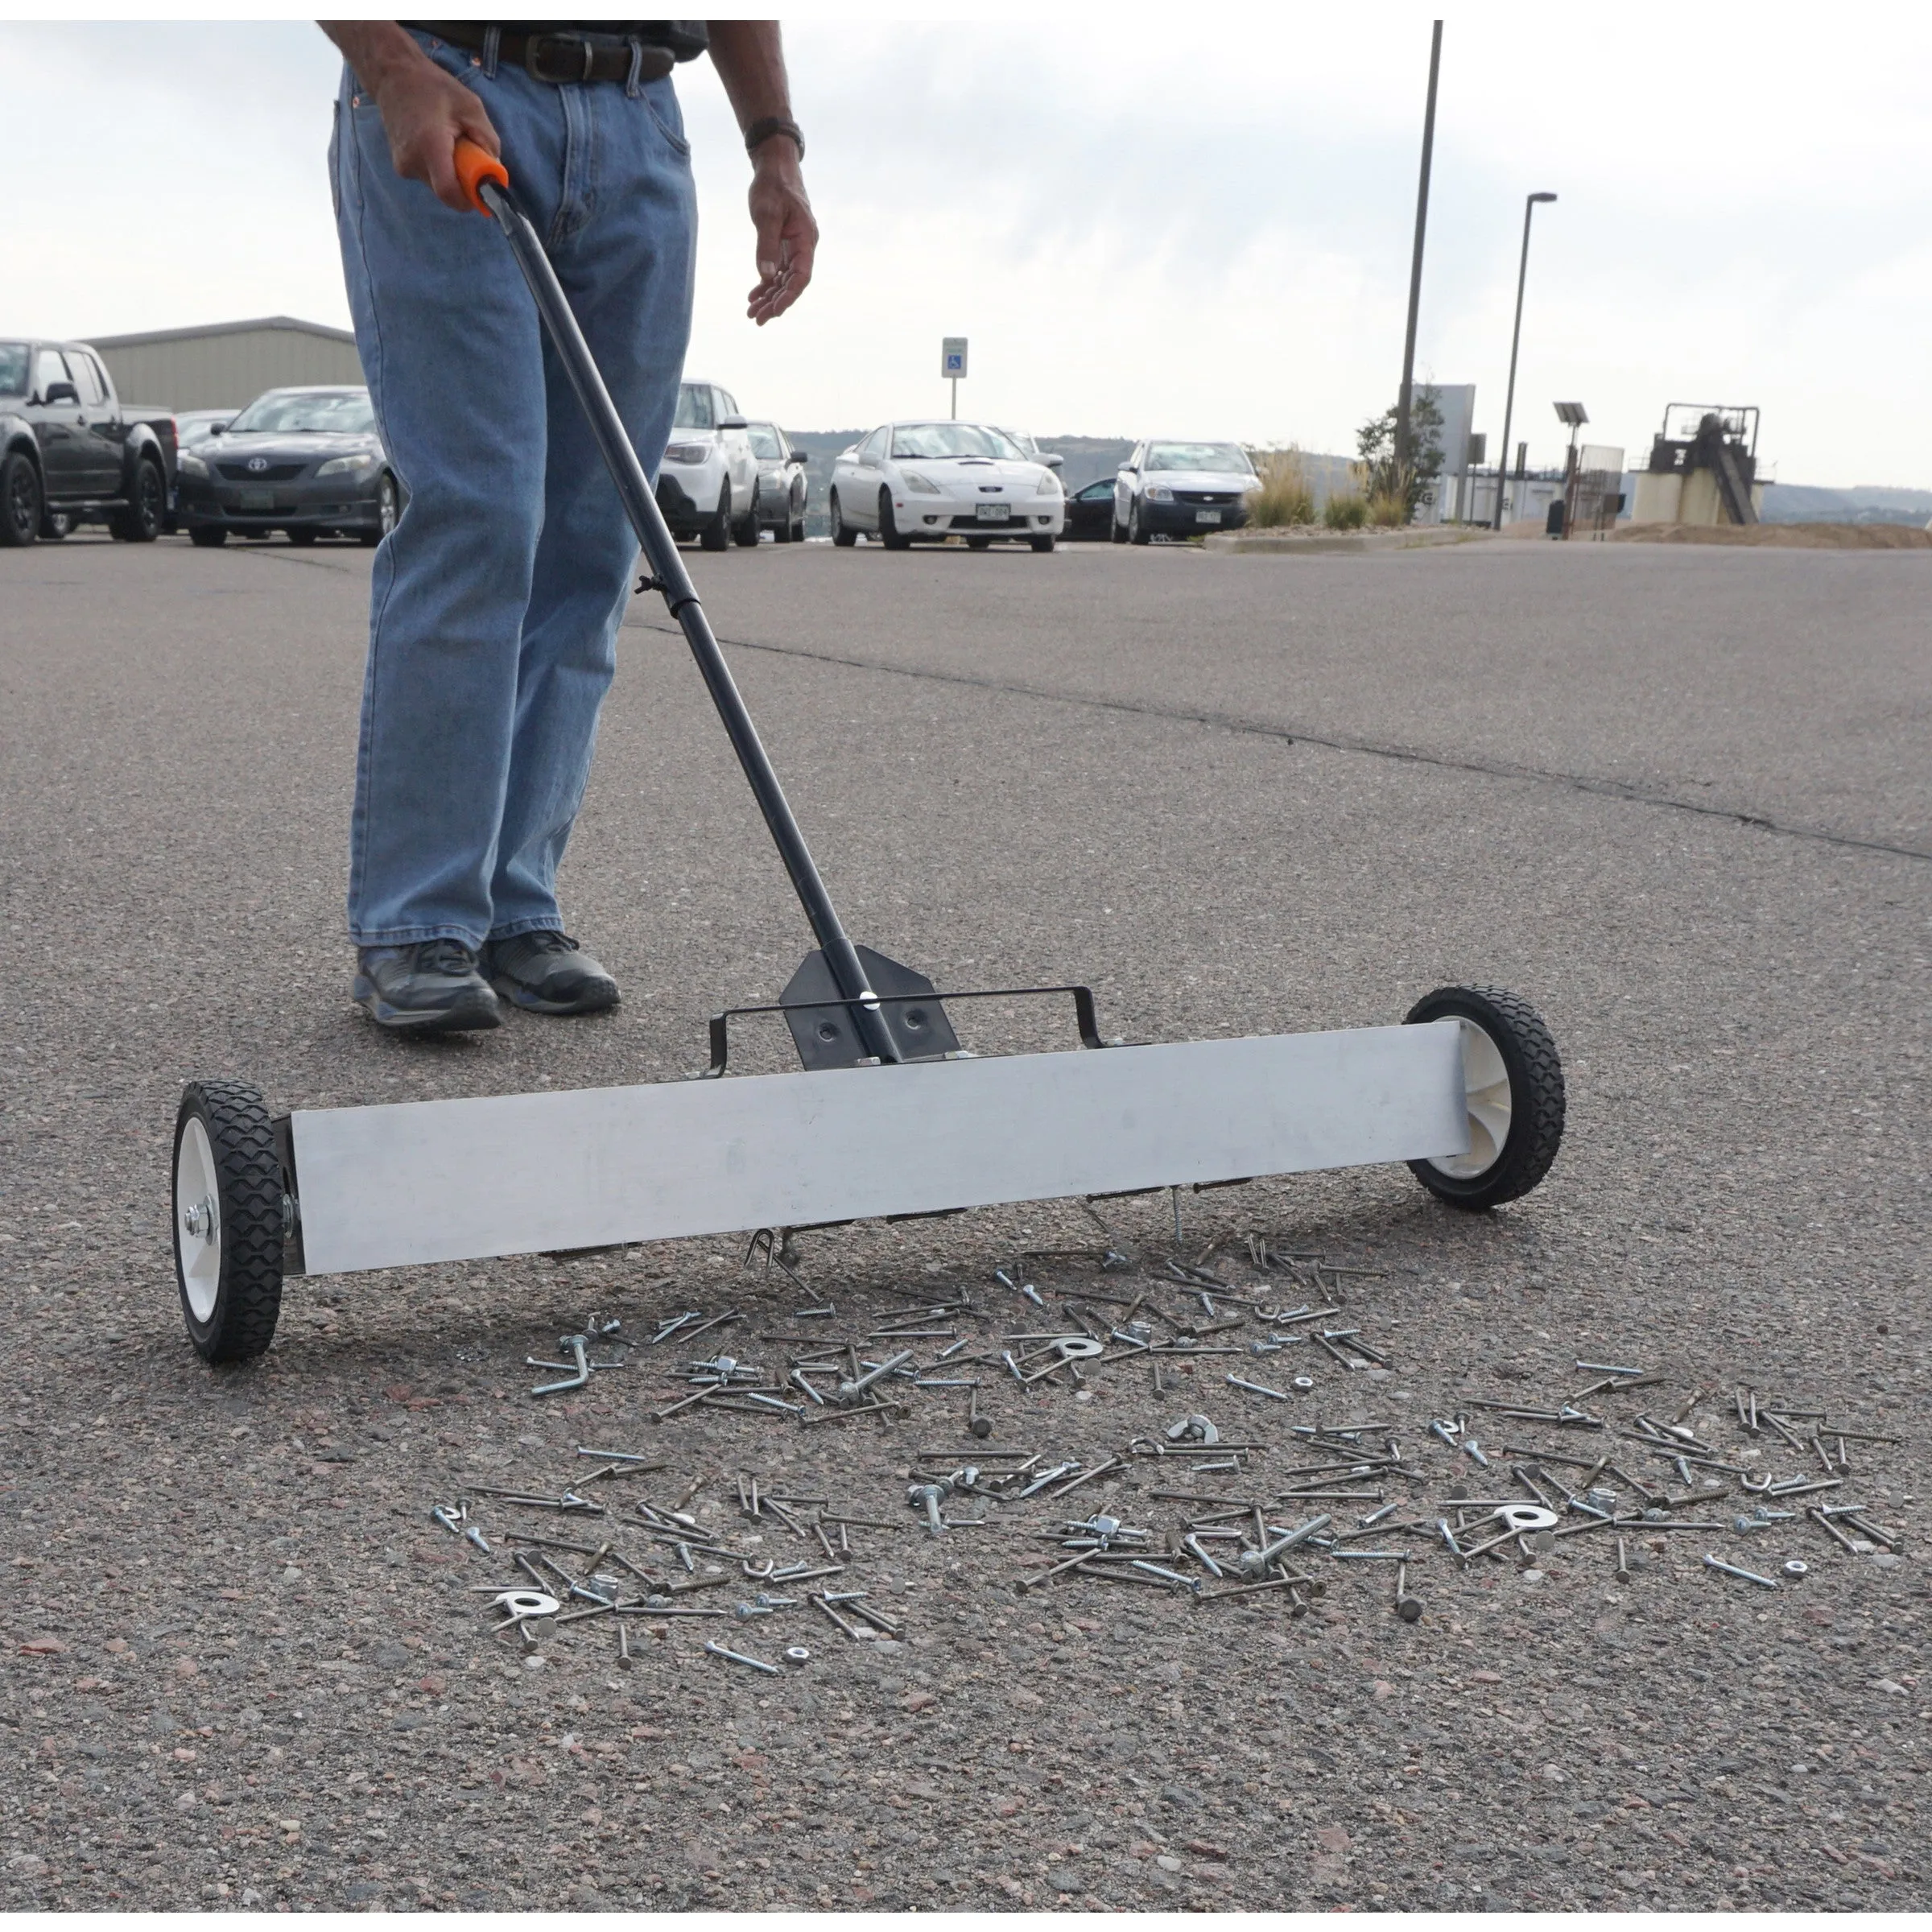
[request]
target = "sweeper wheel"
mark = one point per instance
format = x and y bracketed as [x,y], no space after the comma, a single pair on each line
[1513,1082]
[229,1220]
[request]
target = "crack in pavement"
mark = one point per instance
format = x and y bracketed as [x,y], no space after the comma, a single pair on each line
[1405,754]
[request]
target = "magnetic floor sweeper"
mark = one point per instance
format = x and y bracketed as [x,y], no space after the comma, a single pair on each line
[889,1117]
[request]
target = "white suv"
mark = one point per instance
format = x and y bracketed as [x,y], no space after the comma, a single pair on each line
[707,487]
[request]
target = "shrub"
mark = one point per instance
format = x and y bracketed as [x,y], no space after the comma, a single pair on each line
[1286,496]
[1346,510]
[1389,512]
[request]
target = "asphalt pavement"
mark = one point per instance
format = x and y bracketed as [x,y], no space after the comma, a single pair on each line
[1676,797]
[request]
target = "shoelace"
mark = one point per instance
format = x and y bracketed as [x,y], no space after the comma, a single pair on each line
[449,957]
[545,940]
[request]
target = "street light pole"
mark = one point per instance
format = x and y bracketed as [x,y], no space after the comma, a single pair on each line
[1516,337]
[1415,266]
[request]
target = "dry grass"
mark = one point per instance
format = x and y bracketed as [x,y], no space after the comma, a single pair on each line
[1346,510]
[1287,498]
[1389,512]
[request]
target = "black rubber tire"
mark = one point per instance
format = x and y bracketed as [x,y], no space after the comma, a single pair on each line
[782,530]
[1535,1073]
[842,533]
[249,1200]
[1042,545]
[1116,531]
[22,504]
[147,506]
[746,534]
[716,533]
[797,529]
[889,534]
[207,536]
[1137,531]
[302,535]
[55,525]
[979,542]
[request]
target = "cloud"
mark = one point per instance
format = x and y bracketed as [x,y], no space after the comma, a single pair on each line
[1201,229]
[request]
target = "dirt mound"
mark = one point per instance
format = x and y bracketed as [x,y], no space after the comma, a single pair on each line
[1782,536]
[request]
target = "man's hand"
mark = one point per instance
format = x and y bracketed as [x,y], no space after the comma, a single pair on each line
[750,61]
[424,112]
[788,236]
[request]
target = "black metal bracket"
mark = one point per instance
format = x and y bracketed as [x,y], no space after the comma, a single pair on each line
[1086,1016]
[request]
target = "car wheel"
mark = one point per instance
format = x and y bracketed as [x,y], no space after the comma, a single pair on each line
[207,536]
[1136,531]
[842,534]
[717,532]
[781,531]
[979,542]
[1042,544]
[19,501]
[55,524]
[889,530]
[147,504]
[797,527]
[388,505]
[301,535]
[1116,531]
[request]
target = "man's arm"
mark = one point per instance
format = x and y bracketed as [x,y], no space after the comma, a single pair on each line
[751,63]
[424,112]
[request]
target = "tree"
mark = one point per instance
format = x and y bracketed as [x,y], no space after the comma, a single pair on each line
[1374,444]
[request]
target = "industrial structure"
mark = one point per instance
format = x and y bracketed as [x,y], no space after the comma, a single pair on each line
[1703,468]
[227,364]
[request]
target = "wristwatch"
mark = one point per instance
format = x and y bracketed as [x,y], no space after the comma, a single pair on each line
[761,131]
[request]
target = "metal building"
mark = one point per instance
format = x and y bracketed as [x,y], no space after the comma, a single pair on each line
[226,365]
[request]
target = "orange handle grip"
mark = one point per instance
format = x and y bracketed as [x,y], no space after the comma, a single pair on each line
[475,166]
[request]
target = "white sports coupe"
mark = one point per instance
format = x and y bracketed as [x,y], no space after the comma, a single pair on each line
[913,482]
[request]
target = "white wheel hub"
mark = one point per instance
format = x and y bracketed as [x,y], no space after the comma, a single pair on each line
[198,1219]
[1486,1095]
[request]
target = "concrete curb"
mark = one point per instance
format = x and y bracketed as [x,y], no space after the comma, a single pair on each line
[1289,543]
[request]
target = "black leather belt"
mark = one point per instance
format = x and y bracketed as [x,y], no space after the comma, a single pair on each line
[563,59]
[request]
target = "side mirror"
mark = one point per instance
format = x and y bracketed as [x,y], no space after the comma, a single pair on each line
[800,457]
[734,423]
[1054,461]
[61,392]
[1130,469]
[217,429]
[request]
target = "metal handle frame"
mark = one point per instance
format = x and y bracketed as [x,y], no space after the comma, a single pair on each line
[670,577]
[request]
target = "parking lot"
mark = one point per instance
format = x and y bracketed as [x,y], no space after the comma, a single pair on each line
[1677,797]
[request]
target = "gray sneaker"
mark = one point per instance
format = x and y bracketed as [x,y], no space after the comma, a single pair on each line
[431,987]
[548,972]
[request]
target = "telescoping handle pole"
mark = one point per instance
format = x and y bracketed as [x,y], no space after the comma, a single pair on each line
[487,181]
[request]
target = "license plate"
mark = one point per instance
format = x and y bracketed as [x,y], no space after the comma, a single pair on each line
[990,513]
[1207,516]
[257,499]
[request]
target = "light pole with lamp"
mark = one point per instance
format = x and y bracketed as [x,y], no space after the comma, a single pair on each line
[1516,337]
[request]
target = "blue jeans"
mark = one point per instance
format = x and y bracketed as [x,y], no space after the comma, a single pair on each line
[495,601]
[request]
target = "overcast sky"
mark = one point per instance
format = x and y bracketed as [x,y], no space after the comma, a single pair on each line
[1197,225]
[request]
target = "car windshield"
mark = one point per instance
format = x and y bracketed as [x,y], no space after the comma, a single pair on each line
[307,412]
[13,368]
[1227,457]
[694,405]
[934,440]
[765,443]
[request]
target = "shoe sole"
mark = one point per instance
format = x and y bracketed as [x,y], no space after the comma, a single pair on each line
[593,999]
[469,1015]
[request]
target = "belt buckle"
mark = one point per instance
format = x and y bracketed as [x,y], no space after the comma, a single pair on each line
[534,57]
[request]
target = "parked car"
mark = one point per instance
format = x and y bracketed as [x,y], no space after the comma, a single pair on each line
[306,461]
[909,482]
[1090,512]
[707,484]
[71,452]
[780,499]
[194,426]
[1177,489]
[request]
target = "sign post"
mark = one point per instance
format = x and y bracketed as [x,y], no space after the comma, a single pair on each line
[952,366]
